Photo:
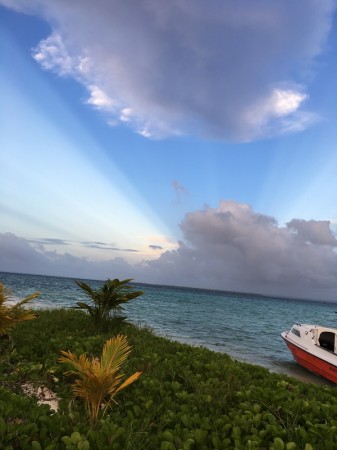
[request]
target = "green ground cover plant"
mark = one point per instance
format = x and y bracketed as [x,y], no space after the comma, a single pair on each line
[187,397]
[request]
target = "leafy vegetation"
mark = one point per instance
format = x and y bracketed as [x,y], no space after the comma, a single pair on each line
[99,380]
[12,314]
[187,397]
[107,301]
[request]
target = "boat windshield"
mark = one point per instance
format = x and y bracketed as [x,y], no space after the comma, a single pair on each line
[296,332]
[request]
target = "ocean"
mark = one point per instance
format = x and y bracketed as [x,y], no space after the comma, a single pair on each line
[245,326]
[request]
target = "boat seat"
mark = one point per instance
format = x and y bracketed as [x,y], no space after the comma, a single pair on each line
[327,340]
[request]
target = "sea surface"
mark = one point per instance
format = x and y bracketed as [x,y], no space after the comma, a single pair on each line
[245,326]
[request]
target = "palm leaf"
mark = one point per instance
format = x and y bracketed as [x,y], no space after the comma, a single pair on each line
[87,289]
[26,300]
[98,380]
[82,305]
[80,365]
[128,381]
[11,315]
[115,352]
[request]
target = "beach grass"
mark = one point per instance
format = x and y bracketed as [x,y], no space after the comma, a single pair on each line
[186,398]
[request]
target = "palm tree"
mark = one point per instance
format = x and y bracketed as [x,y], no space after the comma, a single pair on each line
[11,315]
[107,301]
[97,381]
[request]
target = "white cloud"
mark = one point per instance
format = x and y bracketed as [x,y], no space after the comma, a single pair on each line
[193,66]
[53,55]
[99,99]
[284,102]
[230,247]
[280,113]
[126,114]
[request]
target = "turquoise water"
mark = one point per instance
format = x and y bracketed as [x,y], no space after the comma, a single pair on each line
[247,327]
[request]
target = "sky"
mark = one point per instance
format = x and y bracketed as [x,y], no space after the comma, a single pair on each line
[183,143]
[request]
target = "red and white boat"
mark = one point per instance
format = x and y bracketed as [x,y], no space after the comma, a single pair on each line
[315,348]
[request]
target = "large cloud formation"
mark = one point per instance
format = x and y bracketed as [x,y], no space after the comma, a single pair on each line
[222,69]
[230,247]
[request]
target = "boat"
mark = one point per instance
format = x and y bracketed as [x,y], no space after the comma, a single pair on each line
[315,348]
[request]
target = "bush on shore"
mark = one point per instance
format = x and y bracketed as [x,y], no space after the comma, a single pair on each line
[12,314]
[187,397]
[106,302]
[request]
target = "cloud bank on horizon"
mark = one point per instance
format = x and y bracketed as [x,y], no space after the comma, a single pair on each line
[235,71]
[230,247]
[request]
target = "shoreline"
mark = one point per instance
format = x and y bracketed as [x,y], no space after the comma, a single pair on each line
[290,368]
[186,398]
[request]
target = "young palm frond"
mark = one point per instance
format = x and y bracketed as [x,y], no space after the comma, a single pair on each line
[107,301]
[11,315]
[99,380]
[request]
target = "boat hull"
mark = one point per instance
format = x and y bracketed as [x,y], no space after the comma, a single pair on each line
[313,363]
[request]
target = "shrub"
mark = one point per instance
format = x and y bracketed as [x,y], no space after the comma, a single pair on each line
[107,301]
[99,380]
[11,315]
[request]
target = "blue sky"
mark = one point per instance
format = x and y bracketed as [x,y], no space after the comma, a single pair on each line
[129,135]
